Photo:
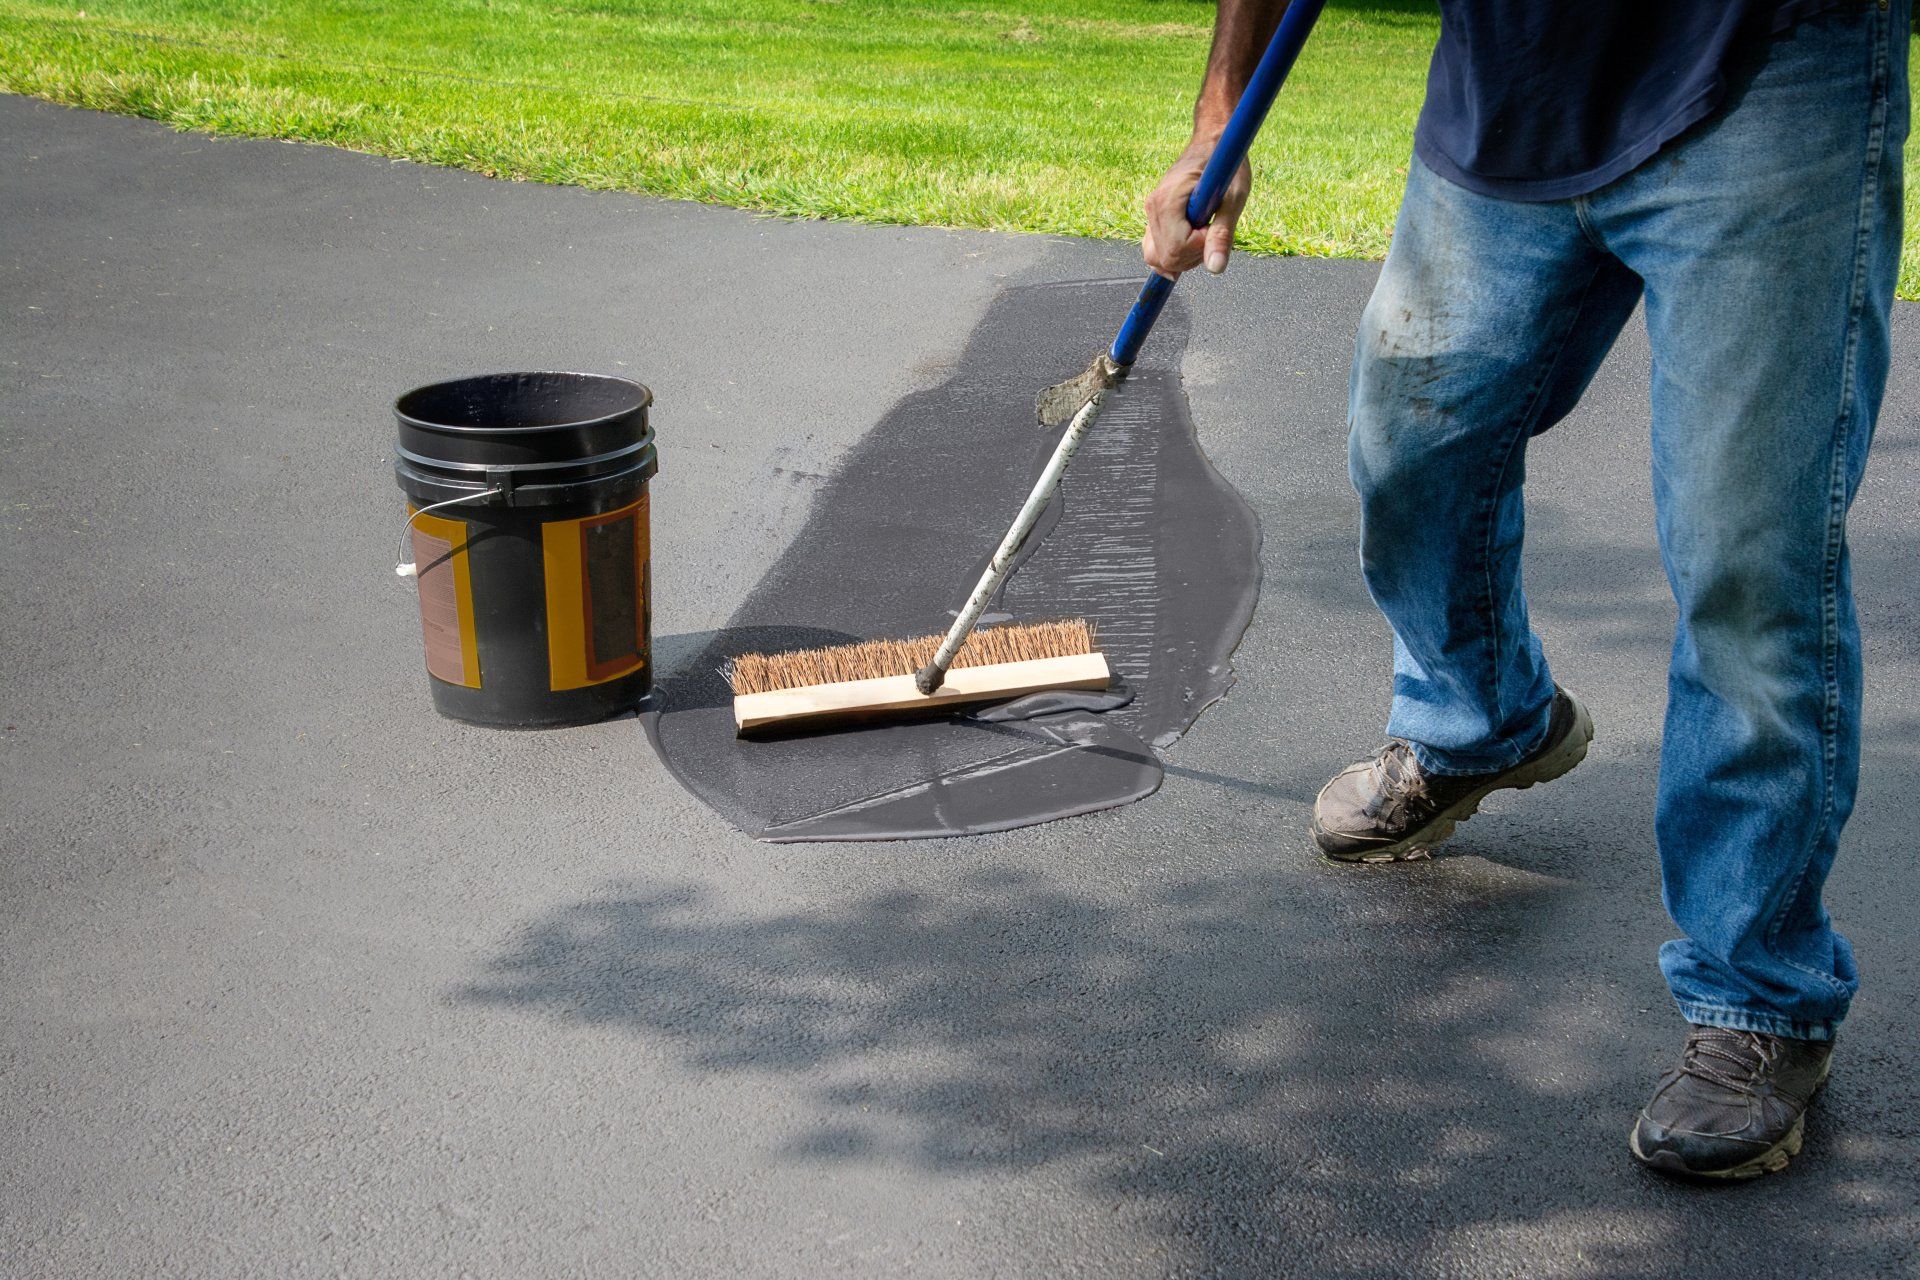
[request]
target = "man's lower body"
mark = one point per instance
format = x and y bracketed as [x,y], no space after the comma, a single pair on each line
[1765,244]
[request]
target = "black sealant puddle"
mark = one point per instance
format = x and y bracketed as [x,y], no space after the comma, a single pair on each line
[1146,539]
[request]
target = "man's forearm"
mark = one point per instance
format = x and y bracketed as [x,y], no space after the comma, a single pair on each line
[1241,30]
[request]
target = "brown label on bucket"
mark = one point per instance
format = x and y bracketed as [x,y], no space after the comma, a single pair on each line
[446,600]
[597,589]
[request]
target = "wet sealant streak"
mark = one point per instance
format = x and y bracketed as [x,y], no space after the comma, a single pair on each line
[1146,539]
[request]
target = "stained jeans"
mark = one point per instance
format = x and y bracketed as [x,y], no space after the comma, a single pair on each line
[1765,242]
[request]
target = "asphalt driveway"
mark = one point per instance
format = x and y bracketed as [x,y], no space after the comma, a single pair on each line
[299,979]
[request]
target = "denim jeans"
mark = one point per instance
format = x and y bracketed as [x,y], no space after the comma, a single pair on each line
[1765,243]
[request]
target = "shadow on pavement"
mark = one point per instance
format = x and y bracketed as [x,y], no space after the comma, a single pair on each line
[1218,1055]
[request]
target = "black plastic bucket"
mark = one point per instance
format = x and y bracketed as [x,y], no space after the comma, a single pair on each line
[527,496]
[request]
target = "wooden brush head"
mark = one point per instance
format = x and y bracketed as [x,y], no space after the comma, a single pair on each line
[873,659]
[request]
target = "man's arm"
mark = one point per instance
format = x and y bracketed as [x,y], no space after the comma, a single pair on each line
[1241,30]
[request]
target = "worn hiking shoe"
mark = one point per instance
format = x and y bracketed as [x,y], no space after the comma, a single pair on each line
[1388,808]
[1735,1107]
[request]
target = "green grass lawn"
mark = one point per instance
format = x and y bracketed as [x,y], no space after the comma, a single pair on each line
[1032,115]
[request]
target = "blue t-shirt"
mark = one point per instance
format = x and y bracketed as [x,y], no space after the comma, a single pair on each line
[1549,99]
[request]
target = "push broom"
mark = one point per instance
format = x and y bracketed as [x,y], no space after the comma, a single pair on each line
[885,679]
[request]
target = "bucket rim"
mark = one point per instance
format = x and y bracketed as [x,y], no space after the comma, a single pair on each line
[645,446]
[645,402]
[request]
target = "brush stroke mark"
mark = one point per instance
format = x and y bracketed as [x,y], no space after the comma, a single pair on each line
[1146,539]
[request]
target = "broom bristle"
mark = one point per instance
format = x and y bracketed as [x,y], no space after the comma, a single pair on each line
[870,659]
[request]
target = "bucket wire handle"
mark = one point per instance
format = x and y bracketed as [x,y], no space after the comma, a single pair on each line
[407,568]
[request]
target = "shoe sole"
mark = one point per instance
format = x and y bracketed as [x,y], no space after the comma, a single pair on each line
[1419,844]
[1772,1160]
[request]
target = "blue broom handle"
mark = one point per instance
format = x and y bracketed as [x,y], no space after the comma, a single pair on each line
[1228,152]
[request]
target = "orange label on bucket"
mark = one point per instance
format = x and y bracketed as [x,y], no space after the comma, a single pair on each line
[597,596]
[446,600]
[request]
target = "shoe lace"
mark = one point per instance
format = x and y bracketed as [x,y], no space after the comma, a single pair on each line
[1734,1059]
[1397,778]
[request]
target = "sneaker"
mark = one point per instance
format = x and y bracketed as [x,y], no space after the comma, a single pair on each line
[1388,808]
[1736,1107]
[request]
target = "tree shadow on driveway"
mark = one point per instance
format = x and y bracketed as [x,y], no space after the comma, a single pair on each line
[1371,1081]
